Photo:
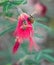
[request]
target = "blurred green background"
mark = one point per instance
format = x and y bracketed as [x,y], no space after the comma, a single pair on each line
[7,40]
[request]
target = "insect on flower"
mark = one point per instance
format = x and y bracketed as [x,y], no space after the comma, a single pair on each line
[24,30]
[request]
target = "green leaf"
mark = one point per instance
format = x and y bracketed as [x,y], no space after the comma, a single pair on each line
[48,58]
[7,6]
[38,57]
[9,14]
[47,51]
[2,1]
[17,2]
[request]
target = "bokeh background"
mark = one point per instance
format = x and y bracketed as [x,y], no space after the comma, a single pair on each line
[7,40]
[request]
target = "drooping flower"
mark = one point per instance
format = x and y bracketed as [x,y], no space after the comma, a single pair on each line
[40,9]
[24,30]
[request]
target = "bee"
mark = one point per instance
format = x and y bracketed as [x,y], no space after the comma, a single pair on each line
[31,19]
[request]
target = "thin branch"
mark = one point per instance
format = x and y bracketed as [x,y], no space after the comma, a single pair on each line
[10,18]
[19,10]
[23,59]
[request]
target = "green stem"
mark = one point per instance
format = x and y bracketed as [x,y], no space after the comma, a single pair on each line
[48,58]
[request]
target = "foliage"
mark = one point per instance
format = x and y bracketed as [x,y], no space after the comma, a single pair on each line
[23,55]
[43,54]
[7,5]
[6,26]
[35,58]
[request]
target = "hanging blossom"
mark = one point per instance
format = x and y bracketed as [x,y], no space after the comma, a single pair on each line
[40,9]
[23,31]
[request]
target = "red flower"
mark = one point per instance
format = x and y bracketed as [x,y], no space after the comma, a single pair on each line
[24,30]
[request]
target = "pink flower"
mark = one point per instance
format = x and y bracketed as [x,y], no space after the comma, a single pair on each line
[24,30]
[41,9]
[20,32]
